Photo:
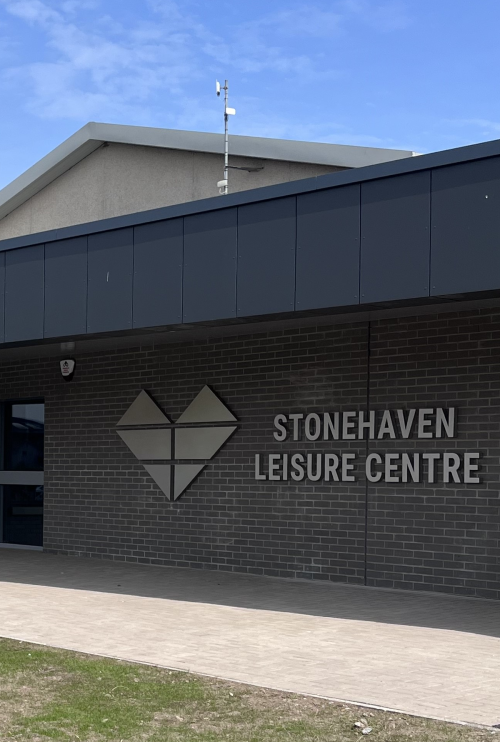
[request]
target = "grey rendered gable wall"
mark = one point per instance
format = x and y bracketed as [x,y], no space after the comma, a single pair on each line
[120,179]
[94,135]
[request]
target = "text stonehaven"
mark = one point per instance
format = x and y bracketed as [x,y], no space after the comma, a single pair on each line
[394,467]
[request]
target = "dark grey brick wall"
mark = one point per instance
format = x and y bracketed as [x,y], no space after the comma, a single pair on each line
[100,502]
[439,536]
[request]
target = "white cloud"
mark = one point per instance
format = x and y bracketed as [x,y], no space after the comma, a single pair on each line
[97,74]
[259,45]
[94,66]
[33,11]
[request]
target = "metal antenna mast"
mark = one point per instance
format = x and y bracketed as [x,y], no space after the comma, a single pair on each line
[223,185]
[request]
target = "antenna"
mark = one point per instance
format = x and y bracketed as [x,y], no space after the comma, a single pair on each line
[223,185]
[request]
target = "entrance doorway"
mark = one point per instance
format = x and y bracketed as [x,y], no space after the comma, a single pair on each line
[21,476]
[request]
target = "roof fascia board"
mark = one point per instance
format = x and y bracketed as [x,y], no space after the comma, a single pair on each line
[317,153]
[470,153]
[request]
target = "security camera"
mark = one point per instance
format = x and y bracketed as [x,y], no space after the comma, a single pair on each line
[67,368]
[217,87]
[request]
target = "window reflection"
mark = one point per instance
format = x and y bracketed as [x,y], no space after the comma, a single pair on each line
[21,505]
[24,437]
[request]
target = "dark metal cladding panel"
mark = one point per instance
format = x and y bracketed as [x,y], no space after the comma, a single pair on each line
[328,248]
[2,298]
[24,294]
[158,273]
[66,287]
[465,254]
[209,290]
[110,281]
[395,238]
[267,234]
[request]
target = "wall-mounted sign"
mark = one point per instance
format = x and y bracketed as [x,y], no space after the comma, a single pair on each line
[174,454]
[339,466]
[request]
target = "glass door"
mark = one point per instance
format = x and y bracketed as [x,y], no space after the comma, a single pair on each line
[21,478]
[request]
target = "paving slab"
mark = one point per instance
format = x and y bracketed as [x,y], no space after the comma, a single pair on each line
[420,653]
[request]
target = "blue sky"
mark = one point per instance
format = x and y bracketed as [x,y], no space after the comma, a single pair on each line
[411,74]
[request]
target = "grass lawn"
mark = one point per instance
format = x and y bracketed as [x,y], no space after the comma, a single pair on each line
[49,694]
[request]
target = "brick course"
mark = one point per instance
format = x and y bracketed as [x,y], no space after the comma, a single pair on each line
[100,502]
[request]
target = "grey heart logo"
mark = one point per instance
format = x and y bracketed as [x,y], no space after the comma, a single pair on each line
[174,454]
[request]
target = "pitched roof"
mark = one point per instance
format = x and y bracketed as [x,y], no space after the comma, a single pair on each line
[91,136]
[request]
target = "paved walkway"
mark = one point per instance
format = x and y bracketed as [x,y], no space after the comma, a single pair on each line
[423,654]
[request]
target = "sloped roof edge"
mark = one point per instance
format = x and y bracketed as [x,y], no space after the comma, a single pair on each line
[93,135]
[358,176]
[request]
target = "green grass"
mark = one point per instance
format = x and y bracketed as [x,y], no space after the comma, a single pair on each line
[49,694]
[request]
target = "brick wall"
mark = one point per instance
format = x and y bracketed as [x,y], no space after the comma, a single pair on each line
[100,502]
[439,537]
